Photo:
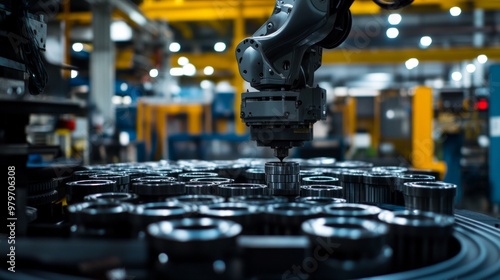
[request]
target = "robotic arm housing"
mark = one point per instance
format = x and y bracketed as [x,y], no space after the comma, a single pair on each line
[280,60]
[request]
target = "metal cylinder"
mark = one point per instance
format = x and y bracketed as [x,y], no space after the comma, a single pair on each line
[320,180]
[100,219]
[255,175]
[239,189]
[283,178]
[321,191]
[353,164]
[246,215]
[398,197]
[150,177]
[418,238]
[152,190]
[144,214]
[378,186]
[258,199]
[435,196]
[286,218]
[186,177]
[215,181]
[112,196]
[361,211]
[199,187]
[122,180]
[349,247]
[76,191]
[196,200]
[193,238]
[390,169]
[315,200]
[352,184]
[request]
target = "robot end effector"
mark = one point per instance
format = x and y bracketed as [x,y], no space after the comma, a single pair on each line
[280,59]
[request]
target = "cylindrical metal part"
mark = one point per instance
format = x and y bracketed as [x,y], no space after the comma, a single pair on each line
[321,191]
[349,247]
[196,200]
[398,197]
[122,180]
[286,218]
[353,164]
[320,180]
[239,189]
[256,175]
[283,178]
[144,214]
[361,211]
[435,196]
[194,187]
[76,191]
[246,215]
[112,196]
[418,238]
[378,186]
[315,200]
[390,169]
[148,178]
[353,186]
[193,239]
[186,177]
[258,199]
[100,219]
[158,189]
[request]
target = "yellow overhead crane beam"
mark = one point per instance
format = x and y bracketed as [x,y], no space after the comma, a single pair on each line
[208,10]
[227,61]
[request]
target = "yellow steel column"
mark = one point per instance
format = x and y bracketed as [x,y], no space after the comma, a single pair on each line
[239,34]
[422,143]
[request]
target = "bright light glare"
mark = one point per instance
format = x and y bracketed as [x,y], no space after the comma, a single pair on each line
[471,68]
[116,99]
[411,63]
[455,11]
[176,71]
[456,76]
[209,70]
[121,31]
[394,19]
[182,60]
[77,47]
[127,100]
[124,138]
[425,41]
[74,74]
[482,59]
[220,47]
[205,84]
[174,47]
[153,73]
[189,70]
[123,87]
[392,32]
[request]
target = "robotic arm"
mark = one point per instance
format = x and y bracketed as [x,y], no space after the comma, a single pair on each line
[280,59]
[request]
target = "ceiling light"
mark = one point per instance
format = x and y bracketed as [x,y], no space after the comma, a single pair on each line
[482,58]
[120,31]
[182,60]
[153,73]
[77,47]
[206,84]
[392,32]
[123,86]
[189,70]
[74,74]
[174,47]
[425,41]
[411,63]
[455,11]
[209,70]
[176,71]
[456,76]
[220,47]
[394,19]
[471,68]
